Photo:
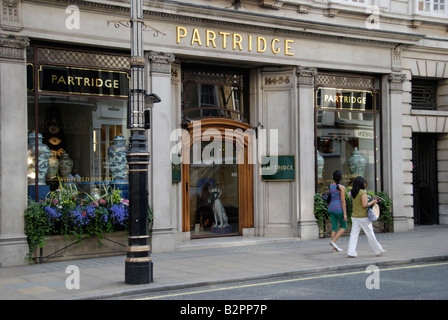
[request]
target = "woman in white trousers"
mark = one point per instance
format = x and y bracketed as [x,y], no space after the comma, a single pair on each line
[361,221]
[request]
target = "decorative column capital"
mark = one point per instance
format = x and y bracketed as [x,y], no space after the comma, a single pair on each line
[306,75]
[161,62]
[13,47]
[396,81]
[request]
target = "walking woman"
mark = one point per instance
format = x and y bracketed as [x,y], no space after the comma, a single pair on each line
[337,210]
[360,219]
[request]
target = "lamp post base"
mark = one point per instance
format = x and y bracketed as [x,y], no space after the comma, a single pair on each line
[138,272]
[138,268]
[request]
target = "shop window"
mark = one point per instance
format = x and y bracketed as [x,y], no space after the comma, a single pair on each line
[214,93]
[347,129]
[432,7]
[77,104]
[424,94]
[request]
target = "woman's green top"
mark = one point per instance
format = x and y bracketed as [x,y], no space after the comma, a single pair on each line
[358,210]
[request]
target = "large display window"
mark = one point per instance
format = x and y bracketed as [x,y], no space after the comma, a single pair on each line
[77,111]
[347,129]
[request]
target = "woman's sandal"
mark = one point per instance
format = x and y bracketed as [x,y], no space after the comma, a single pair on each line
[380,254]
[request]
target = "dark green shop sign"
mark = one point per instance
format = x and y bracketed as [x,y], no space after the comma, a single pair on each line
[278,168]
[55,79]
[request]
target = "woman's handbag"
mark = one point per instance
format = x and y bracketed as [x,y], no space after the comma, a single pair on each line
[373,213]
[326,196]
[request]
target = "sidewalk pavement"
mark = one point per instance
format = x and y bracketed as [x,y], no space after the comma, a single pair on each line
[219,260]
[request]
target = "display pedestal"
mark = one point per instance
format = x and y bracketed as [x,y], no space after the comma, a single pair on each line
[43,190]
[227,229]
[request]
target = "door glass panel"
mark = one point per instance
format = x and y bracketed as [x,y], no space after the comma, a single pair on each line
[214,202]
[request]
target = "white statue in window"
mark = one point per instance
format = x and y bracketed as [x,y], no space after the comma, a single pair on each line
[221,220]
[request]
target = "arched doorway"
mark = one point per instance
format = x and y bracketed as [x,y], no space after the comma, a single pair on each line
[217,168]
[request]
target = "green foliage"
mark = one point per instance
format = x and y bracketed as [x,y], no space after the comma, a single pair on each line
[320,210]
[384,202]
[37,226]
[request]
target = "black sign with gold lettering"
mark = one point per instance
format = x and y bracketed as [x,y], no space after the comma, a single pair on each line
[83,81]
[344,99]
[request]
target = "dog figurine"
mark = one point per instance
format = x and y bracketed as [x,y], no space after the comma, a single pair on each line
[221,220]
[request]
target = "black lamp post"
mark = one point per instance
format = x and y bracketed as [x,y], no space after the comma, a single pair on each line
[138,266]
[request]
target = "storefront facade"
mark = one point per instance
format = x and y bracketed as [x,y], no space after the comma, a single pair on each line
[245,87]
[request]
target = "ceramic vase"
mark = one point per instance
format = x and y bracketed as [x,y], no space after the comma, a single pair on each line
[320,165]
[117,159]
[356,163]
[65,165]
[42,162]
[96,193]
[53,166]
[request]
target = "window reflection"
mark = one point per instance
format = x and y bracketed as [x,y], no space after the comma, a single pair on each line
[346,141]
[214,94]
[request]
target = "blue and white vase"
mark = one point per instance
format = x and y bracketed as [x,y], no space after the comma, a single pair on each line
[65,165]
[42,162]
[356,163]
[53,166]
[117,160]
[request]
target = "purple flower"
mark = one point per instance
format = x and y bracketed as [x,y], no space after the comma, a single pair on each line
[52,213]
[79,216]
[120,213]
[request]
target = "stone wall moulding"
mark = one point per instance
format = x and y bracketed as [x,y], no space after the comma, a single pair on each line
[429,124]
[306,75]
[397,58]
[272,4]
[429,68]
[13,47]
[161,62]
[11,15]
[396,81]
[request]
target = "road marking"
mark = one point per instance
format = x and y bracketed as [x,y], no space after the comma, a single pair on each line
[291,280]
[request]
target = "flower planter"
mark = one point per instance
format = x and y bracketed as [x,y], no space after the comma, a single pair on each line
[59,248]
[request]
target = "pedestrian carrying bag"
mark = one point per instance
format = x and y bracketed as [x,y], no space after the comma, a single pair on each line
[327,196]
[373,213]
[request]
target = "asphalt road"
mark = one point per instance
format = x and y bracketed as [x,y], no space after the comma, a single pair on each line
[424,281]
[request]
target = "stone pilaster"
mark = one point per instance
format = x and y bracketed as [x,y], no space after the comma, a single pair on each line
[163,238]
[394,134]
[307,225]
[13,150]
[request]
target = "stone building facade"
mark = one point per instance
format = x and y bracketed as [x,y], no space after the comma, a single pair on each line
[309,82]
